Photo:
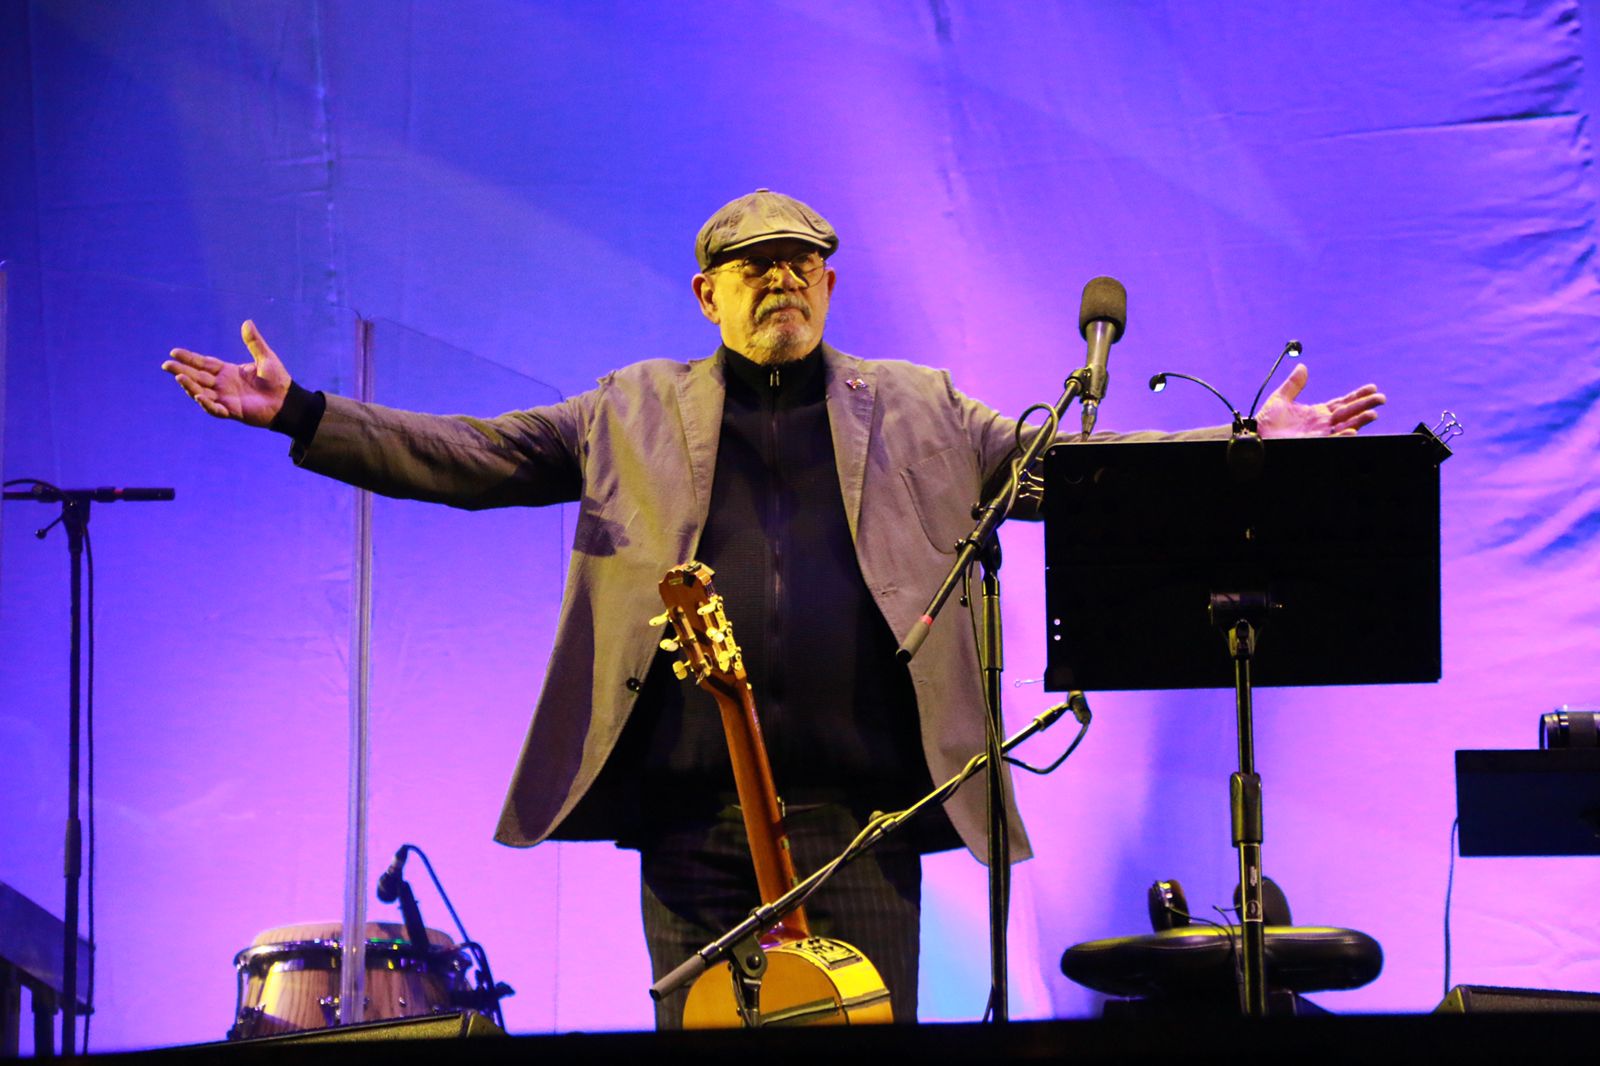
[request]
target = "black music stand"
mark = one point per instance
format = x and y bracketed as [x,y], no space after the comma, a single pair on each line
[1168,566]
[1528,803]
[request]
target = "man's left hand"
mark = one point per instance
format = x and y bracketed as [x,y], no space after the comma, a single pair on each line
[1284,416]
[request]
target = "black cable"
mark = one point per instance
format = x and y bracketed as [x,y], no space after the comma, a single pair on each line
[479,954]
[1083,729]
[88,725]
[1227,927]
[1449,891]
[856,848]
[1051,425]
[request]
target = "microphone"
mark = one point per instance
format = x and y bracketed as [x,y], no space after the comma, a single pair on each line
[112,495]
[390,880]
[44,493]
[392,887]
[1102,319]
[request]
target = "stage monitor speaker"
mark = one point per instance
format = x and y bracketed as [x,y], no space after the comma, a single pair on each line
[1486,999]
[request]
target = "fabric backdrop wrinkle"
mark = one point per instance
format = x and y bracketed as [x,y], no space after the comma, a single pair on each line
[509,192]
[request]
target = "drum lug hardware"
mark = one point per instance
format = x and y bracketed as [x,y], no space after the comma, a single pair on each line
[330,1005]
[244,1027]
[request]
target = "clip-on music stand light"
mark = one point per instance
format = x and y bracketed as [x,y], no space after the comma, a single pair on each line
[1167,569]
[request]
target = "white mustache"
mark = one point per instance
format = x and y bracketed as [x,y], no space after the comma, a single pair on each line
[774,304]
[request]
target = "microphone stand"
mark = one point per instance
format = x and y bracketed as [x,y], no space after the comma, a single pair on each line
[411,917]
[74,518]
[741,945]
[981,543]
[392,887]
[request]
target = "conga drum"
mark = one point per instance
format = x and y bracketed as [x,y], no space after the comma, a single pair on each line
[289,977]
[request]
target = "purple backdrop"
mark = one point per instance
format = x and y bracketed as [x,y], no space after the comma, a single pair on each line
[510,191]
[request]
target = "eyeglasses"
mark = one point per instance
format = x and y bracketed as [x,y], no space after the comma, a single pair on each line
[806,267]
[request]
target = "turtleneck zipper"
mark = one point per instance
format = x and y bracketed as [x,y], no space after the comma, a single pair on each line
[778,524]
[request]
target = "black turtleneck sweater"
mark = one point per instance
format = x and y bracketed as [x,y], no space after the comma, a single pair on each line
[837,711]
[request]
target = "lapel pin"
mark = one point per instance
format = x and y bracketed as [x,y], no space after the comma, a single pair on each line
[855,383]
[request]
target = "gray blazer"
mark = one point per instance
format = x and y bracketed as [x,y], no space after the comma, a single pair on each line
[638,453]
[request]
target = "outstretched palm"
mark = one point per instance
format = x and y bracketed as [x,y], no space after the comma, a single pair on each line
[251,392]
[1284,416]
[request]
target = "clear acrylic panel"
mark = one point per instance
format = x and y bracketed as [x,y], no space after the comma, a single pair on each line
[464,611]
[221,635]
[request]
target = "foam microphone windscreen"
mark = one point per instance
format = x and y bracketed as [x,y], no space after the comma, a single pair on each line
[1104,298]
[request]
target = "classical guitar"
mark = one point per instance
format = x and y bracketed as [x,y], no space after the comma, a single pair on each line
[809,980]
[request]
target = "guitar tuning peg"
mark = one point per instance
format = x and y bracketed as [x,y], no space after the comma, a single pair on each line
[680,670]
[714,635]
[711,606]
[660,620]
[669,645]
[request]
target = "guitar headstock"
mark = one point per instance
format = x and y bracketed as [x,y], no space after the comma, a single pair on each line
[701,629]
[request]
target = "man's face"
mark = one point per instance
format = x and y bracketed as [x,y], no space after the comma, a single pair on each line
[777,320]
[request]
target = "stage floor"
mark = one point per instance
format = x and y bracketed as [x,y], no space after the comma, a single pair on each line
[1419,1037]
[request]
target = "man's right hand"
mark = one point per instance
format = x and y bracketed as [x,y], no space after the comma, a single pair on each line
[251,392]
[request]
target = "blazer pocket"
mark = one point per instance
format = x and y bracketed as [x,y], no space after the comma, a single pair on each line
[942,487]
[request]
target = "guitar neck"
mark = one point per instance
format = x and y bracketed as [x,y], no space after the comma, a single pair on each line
[758,799]
[711,657]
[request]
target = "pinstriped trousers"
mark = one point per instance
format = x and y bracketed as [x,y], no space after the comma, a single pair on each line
[698,882]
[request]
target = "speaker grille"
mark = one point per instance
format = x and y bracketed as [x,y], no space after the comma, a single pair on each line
[1486,999]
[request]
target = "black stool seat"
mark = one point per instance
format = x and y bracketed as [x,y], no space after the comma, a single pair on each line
[1198,961]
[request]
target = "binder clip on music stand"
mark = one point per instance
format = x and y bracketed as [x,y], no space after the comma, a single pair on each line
[1168,569]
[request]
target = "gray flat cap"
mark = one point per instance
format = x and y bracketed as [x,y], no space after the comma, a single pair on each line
[763,215]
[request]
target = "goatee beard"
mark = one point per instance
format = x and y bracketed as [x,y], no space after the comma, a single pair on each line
[774,344]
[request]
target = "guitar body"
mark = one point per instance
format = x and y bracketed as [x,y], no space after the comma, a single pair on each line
[815,981]
[809,980]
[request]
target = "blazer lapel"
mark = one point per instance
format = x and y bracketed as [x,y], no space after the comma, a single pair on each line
[852,394]
[700,395]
